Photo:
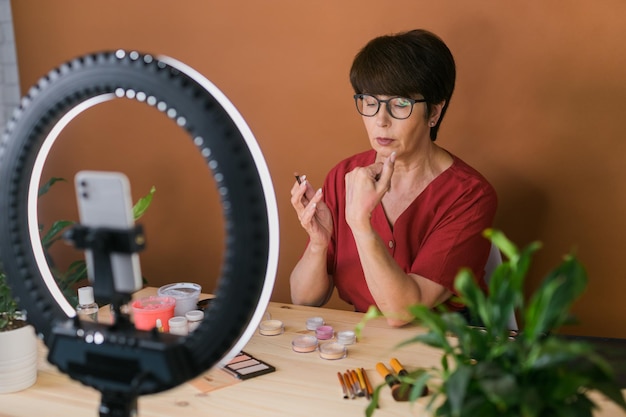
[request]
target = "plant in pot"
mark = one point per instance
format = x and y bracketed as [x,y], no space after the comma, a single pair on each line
[18,344]
[490,371]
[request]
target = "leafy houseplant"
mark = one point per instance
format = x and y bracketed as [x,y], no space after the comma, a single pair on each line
[10,316]
[488,371]
[76,272]
[18,344]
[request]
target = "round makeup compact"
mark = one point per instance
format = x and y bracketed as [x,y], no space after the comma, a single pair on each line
[304,344]
[333,350]
[313,323]
[271,327]
[346,337]
[324,332]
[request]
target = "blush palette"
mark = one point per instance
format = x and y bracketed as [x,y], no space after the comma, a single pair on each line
[245,366]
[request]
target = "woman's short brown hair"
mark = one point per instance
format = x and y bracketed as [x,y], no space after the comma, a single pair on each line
[406,64]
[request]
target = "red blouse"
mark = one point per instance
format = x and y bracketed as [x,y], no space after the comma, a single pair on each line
[440,231]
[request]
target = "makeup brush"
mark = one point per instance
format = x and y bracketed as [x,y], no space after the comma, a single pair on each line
[368,385]
[358,388]
[343,386]
[346,379]
[362,383]
[397,366]
[397,392]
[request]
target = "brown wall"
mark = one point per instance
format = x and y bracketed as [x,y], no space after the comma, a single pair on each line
[539,109]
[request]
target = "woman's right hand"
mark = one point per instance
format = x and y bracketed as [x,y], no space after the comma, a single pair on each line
[313,213]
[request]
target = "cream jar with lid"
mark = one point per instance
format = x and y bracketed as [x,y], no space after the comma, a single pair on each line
[333,351]
[271,327]
[346,337]
[304,344]
[312,323]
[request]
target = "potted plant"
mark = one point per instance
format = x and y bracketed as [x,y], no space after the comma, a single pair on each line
[18,344]
[490,371]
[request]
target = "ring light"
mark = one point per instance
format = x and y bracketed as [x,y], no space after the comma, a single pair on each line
[139,362]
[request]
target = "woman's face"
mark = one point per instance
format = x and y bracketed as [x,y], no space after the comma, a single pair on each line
[406,137]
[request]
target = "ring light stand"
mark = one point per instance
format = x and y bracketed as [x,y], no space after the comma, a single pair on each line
[118,360]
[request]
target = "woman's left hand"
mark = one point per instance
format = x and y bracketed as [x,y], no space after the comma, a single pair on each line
[365,188]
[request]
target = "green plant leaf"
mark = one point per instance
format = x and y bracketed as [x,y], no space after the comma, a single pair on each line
[507,247]
[456,388]
[416,381]
[373,405]
[549,307]
[54,233]
[471,295]
[372,313]
[139,209]
[434,322]
[46,187]
[8,305]
[499,385]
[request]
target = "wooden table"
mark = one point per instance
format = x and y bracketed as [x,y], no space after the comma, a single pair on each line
[303,385]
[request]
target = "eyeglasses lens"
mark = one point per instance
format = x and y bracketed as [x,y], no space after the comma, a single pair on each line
[398,107]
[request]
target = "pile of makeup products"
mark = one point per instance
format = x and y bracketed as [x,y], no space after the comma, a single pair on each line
[330,344]
[355,383]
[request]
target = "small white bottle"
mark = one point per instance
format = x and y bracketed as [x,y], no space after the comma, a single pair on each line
[87,308]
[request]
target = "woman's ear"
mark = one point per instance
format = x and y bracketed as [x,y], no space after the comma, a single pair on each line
[435,113]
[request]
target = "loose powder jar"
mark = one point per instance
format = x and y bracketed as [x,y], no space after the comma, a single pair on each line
[314,322]
[324,332]
[304,344]
[333,350]
[271,327]
[346,337]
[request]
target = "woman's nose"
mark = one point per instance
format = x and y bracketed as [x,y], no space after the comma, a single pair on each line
[382,117]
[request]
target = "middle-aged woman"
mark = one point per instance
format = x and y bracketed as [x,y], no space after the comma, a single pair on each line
[393,225]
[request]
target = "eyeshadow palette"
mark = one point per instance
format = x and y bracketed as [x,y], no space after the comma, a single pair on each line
[245,366]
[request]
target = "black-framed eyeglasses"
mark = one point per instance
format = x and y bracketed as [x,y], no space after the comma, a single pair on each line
[397,107]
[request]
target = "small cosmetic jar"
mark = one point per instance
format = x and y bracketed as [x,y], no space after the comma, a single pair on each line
[346,337]
[304,344]
[271,327]
[147,310]
[185,293]
[194,318]
[313,323]
[333,350]
[178,325]
[324,332]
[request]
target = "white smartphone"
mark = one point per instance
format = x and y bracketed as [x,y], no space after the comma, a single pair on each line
[104,200]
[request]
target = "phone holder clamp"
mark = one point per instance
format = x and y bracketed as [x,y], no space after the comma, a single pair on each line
[103,242]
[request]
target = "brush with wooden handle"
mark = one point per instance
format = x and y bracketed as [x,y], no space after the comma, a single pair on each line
[397,366]
[397,393]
